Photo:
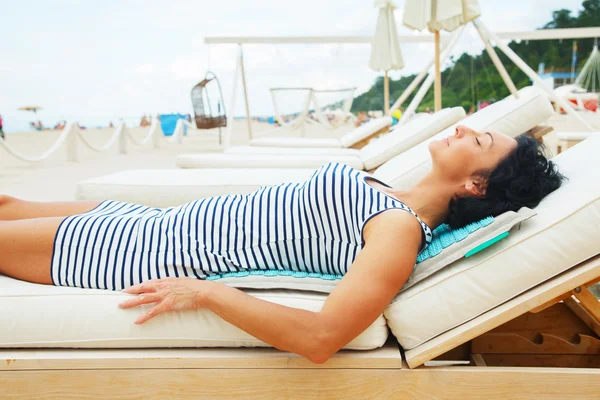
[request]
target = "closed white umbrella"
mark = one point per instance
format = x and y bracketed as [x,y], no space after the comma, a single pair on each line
[385,48]
[437,15]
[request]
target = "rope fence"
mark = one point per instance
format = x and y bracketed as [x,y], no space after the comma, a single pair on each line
[72,135]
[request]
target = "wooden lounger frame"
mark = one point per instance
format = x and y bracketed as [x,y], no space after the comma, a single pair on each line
[362,143]
[377,374]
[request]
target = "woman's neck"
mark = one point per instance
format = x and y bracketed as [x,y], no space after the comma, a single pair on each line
[429,199]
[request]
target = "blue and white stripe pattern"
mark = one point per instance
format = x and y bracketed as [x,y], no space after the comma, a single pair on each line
[314,227]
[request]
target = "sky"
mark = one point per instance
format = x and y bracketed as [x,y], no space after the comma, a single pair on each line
[97,61]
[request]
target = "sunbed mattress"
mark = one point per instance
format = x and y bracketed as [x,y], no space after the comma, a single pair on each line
[48,316]
[369,157]
[286,160]
[564,233]
[347,140]
[171,187]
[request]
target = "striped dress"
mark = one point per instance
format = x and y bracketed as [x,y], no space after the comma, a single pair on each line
[314,226]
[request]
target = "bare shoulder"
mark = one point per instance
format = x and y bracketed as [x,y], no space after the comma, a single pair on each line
[394,225]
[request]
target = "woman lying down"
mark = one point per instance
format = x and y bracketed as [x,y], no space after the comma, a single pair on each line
[340,221]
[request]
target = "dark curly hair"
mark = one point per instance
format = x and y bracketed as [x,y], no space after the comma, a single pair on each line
[521,179]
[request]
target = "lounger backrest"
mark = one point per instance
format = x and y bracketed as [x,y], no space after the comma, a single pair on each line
[564,233]
[509,116]
[364,131]
[402,138]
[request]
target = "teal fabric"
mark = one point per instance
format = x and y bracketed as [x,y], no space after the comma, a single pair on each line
[443,237]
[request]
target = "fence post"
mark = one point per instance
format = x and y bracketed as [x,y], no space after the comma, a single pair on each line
[122,138]
[156,132]
[72,130]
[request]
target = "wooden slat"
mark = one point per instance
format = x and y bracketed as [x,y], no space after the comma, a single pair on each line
[557,320]
[478,360]
[540,130]
[519,305]
[585,316]
[573,361]
[448,383]
[588,301]
[387,356]
[511,343]
[550,303]
[365,141]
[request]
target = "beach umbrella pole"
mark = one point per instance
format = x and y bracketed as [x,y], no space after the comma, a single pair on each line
[386,94]
[248,120]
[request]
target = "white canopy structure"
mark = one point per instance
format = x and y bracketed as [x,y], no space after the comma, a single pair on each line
[439,15]
[540,34]
[385,50]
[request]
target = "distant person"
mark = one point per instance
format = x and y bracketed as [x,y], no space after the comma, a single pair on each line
[361,119]
[1,128]
[110,125]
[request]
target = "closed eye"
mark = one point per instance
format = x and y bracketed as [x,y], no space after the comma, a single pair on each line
[478,143]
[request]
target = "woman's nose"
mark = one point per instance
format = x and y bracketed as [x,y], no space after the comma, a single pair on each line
[460,131]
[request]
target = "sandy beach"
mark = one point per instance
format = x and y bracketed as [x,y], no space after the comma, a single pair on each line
[54,178]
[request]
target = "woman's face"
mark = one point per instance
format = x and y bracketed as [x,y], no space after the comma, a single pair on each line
[459,156]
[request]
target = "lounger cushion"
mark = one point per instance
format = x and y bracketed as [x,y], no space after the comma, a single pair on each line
[564,232]
[347,140]
[509,116]
[295,142]
[389,145]
[365,130]
[170,187]
[575,135]
[229,160]
[293,150]
[402,138]
[48,316]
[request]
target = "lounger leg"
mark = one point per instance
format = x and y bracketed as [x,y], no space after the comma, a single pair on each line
[26,248]
[12,208]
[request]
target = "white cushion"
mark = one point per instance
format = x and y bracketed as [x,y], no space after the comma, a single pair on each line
[170,187]
[374,154]
[509,116]
[364,131]
[402,138]
[575,135]
[293,150]
[295,142]
[174,187]
[48,316]
[564,232]
[347,140]
[249,160]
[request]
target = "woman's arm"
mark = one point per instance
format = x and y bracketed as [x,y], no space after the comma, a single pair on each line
[375,277]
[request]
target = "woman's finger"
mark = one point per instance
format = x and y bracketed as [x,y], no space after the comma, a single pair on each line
[145,298]
[146,287]
[153,312]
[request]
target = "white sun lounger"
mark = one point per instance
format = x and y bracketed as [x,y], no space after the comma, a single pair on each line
[369,157]
[166,187]
[518,306]
[355,139]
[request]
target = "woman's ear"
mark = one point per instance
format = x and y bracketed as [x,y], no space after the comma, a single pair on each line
[476,187]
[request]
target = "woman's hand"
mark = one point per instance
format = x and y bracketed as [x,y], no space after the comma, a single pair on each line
[170,294]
